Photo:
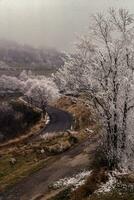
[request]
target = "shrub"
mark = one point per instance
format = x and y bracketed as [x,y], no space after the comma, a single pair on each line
[28,112]
[15,118]
[58,148]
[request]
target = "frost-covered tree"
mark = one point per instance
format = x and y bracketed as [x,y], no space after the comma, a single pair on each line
[105,68]
[74,75]
[10,83]
[38,90]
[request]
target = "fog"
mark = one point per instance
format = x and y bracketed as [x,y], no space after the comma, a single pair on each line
[50,23]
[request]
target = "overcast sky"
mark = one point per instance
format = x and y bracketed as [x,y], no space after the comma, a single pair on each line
[53,23]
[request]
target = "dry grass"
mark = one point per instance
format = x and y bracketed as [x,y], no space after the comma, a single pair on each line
[92,184]
[35,130]
[25,165]
[83,115]
[128,178]
[58,148]
[30,157]
[84,191]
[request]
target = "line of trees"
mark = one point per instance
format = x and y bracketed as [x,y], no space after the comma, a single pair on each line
[13,55]
[37,90]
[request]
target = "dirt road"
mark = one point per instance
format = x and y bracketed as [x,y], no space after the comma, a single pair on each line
[58,167]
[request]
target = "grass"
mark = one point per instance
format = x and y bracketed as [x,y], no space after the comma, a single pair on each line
[66,194]
[34,130]
[22,129]
[24,166]
[83,114]
[88,191]
[82,194]
[29,157]
[63,195]
[91,185]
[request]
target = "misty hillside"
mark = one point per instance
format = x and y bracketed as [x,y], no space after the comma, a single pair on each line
[13,54]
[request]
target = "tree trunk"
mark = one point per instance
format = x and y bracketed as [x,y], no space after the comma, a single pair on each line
[124,126]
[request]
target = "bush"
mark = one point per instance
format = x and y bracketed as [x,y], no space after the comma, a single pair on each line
[15,118]
[58,148]
[30,115]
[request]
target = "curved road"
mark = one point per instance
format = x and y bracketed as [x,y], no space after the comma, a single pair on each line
[35,186]
[59,120]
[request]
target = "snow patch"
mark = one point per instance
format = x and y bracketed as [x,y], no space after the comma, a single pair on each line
[75,181]
[109,185]
[112,182]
